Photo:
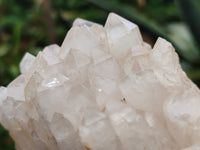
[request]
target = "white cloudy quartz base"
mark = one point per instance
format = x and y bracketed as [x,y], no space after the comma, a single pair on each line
[103,89]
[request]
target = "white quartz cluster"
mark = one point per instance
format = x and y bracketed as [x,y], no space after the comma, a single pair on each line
[103,89]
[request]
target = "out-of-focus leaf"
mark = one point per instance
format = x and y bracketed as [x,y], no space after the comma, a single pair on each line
[161,11]
[14,70]
[68,15]
[190,11]
[4,50]
[194,74]
[181,35]
[131,14]
[35,51]
[16,38]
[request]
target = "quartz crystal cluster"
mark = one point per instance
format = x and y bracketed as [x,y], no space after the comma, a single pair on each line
[103,89]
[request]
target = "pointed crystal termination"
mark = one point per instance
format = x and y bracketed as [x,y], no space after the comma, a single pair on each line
[103,89]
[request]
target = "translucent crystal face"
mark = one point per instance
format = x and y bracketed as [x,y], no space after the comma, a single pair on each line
[103,89]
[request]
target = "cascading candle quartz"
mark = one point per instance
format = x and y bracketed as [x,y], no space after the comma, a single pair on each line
[103,89]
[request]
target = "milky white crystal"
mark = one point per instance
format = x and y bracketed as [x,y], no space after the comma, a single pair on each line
[103,89]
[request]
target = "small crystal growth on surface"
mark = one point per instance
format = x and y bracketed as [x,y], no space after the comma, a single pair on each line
[104,88]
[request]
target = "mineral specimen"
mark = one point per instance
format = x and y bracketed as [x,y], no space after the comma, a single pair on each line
[103,89]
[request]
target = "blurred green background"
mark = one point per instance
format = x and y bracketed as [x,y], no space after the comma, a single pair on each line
[29,25]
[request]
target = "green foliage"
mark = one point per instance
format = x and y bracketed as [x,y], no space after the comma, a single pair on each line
[31,25]
[190,11]
[6,143]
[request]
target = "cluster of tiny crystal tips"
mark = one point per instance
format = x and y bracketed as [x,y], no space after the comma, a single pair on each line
[103,89]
